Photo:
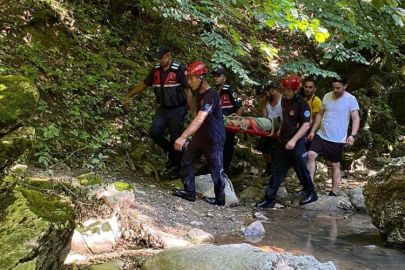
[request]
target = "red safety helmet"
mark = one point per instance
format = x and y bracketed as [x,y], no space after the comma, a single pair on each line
[196,69]
[292,82]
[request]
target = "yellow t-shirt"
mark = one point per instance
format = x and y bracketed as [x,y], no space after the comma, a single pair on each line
[314,106]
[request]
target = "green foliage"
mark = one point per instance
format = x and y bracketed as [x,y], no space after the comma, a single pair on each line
[303,66]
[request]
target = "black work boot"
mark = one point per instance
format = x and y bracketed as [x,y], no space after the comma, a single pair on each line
[266,203]
[189,196]
[213,201]
[310,197]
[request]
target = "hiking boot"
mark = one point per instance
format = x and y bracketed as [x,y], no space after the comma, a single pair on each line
[213,201]
[310,197]
[265,204]
[189,196]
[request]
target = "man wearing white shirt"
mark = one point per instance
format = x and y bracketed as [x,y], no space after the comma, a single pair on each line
[337,108]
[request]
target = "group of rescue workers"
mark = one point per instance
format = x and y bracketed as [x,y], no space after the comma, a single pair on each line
[309,126]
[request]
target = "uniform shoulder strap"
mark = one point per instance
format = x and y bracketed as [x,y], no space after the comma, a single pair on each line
[175,66]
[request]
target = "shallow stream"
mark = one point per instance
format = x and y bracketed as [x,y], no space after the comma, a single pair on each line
[350,242]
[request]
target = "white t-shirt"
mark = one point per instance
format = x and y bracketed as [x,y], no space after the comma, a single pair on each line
[336,116]
[276,111]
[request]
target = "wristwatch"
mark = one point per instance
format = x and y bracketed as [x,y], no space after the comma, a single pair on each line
[353,135]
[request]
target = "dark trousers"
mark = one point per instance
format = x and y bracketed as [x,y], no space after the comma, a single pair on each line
[229,148]
[213,155]
[282,161]
[172,118]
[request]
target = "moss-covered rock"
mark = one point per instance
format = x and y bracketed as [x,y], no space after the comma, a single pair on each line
[90,179]
[18,101]
[35,228]
[7,185]
[385,202]
[14,144]
[121,186]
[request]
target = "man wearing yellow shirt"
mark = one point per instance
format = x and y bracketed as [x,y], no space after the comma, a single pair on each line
[313,101]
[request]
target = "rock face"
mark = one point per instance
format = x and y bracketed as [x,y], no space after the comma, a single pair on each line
[34,230]
[229,257]
[19,99]
[385,202]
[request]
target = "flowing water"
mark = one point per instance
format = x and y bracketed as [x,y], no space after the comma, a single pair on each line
[350,242]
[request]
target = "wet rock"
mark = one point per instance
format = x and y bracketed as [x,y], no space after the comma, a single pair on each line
[111,265]
[254,229]
[357,199]
[229,257]
[198,236]
[385,203]
[205,187]
[338,204]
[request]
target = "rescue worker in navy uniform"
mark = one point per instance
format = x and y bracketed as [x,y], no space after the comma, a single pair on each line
[290,149]
[172,93]
[208,139]
[230,104]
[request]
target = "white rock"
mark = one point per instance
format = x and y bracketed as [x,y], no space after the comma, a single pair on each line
[198,236]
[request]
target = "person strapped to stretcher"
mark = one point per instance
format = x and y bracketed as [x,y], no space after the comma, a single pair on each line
[270,106]
[260,126]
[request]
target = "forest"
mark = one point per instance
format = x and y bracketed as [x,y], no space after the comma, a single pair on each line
[66,140]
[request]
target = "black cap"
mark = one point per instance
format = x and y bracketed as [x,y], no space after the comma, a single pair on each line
[219,70]
[162,50]
[265,85]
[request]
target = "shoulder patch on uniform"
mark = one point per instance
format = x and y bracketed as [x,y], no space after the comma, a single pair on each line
[175,66]
[234,95]
[307,113]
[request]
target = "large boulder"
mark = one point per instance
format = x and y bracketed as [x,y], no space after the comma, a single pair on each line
[35,230]
[18,101]
[237,256]
[385,202]
[205,187]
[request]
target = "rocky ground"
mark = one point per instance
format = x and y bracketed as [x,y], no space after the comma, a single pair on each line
[154,205]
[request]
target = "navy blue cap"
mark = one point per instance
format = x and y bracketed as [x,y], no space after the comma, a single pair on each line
[219,70]
[161,51]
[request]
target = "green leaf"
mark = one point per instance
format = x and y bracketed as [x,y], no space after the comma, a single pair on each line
[377,4]
[398,20]
[270,23]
